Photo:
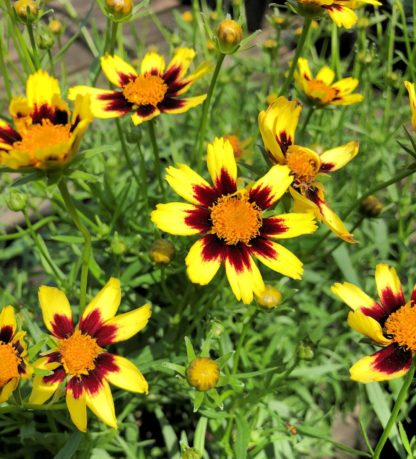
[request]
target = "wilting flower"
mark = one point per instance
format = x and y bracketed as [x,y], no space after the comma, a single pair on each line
[412,96]
[45,135]
[277,126]
[321,90]
[13,354]
[390,323]
[340,11]
[155,90]
[79,358]
[231,222]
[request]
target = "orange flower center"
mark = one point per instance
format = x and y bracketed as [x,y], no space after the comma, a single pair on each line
[304,163]
[45,135]
[402,326]
[318,90]
[235,219]
[78,353]
[9,363]
[145,90]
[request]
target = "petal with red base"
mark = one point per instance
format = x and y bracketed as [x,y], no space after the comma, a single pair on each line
[117,71]
[179,64]
[41,89]
[7,136]
[178,87]
[152,63]
[105,303]
[267,190]
[222,166]
[204,259]
[77,406]
[127,376]
[190,185]
[144,113]
[100,400]
[181,218]
[367,326]
[277,257]
[104,103]
[45,386]
[341,15]
[56,311]
[7,390]
[388,363]
[288,225]
[389,288]
[175,106]
[242,273]
[7,324]
[123,326]
[334,159]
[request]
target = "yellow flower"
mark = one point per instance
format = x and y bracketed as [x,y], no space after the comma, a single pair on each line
[13,354]
[390,323]
[203,373]
[340,11]
[269,298]
[45,135]
[215,212]
[277,126]
[412,96]
[153,91]
[187,16]
[79,359]
[321,90]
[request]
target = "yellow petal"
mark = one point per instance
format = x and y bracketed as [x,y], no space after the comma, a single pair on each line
[182,105]
[285,226]
[8,389]
[341,15]
[42,392]
[102,405]
[201,71]
[140,116]
[304,71]
[41,88]
[326,75]
[8,319]
[204,259]
[128,377]
[389,288]
[152,63]
[221,161]
[367,326]
[176,218]
[77,408]
[117,71]
[56,311]
[106,302]
[129,323]
[412,97]
[349,99]
[334,159]
[353,296]
[181,61]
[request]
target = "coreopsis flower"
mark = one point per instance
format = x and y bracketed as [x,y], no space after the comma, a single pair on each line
[412,96]
[13,354]
[147,94]
[231,223]
[45,135]
[277,126]
[390,323]
[80,360]
[340,11]
[203,373]
[321,90]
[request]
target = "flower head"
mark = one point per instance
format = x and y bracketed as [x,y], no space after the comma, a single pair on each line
[277,126]
[147,94]
[203,373]
[321,90]
[390,323]
[231,222]
[13,354]
[340,11]
[412,97]
[229,35]
[45,135]
[80,359]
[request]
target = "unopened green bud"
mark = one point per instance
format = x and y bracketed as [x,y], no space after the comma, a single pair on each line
[190,453]
[305,350]
[229,34]
[217,328]
[118,247]
[45,39]
[16,200]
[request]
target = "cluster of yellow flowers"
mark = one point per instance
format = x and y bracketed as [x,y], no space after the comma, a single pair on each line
[236,225]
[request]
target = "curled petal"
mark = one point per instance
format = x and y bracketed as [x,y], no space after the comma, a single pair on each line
[334,159]
[367,326]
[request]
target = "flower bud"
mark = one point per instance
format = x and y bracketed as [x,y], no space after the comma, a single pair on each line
[270,298]
[162,251]
[187,16]
[229,34]
[27,10]
[203,373]
[270,44]
[118,247]
[217,328]
[190,453]
[45,39]
[371,206]
[119,8]
[56,27]
[305,350]
[16,200]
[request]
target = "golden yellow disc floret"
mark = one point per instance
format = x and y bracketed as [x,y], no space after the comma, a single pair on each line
[203,373]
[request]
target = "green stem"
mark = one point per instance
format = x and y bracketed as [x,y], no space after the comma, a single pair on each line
[42,248]
[113,38]
[158,171]
[307,119]
[126,153]
[240,343]
[3,66]
[86,253]
[299,48]
[34,227]
[34,46]
[335,50]
[51,64]
[395,412]
[143,176]
[205,109]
